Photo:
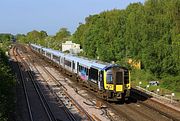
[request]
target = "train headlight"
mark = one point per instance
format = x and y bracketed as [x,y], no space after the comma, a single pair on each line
[109,86]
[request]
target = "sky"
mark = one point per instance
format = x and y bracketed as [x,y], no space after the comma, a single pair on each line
[22,16]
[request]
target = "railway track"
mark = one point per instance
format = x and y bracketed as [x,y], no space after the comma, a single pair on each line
[156,106]
[24,86]
[135,110]
[33,93]
[139,109]
[62,89]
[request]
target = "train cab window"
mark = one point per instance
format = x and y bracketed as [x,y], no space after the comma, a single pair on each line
[109,77]
[119,78]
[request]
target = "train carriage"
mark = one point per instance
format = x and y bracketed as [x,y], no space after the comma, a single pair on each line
[111,80]
[68,63]
[83,67]
[37,48]
[56,56]
[47,53]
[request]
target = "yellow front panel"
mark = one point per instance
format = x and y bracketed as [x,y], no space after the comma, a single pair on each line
[119,88]
[107,86]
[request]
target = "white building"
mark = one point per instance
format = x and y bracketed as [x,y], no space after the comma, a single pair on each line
[72,47]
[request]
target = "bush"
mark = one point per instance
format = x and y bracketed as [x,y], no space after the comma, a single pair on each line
[171,82]
[7,84]
[141,75]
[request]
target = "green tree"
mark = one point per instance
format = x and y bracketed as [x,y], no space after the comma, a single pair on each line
[62,34]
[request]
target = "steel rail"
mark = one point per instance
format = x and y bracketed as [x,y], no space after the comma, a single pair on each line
[153,108]
[64,89]
[72,100]
[72,118]
[39,92]
[41,96]
[24,86]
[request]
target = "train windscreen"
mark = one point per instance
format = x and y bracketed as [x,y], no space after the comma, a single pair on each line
[119,78]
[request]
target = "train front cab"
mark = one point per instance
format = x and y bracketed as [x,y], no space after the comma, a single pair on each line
[116,83]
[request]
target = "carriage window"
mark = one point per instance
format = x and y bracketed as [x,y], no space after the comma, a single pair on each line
[73,65]
[43,52]
[83,70]
[56,58]
[48,54]
[68,63]
[109,77]
[93,74]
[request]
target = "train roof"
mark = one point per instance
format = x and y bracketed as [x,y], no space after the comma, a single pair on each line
[98,66]
[54,52]
[88,63]
[82,61]
[36,46]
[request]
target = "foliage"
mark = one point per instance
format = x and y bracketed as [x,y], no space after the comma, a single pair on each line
[5,40]
[7,84]
[142,75]
[172,82]
[21,38]
[145,32]
[62,34]
[42,38]
[5,37]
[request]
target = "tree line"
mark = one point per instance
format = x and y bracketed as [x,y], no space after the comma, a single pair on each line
[42,38]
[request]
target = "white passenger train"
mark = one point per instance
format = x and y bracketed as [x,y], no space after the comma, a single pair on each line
[110,80]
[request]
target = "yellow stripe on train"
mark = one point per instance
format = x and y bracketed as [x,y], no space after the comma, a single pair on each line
[119,88]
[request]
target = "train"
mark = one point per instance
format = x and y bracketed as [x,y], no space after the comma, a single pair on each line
[110,81]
